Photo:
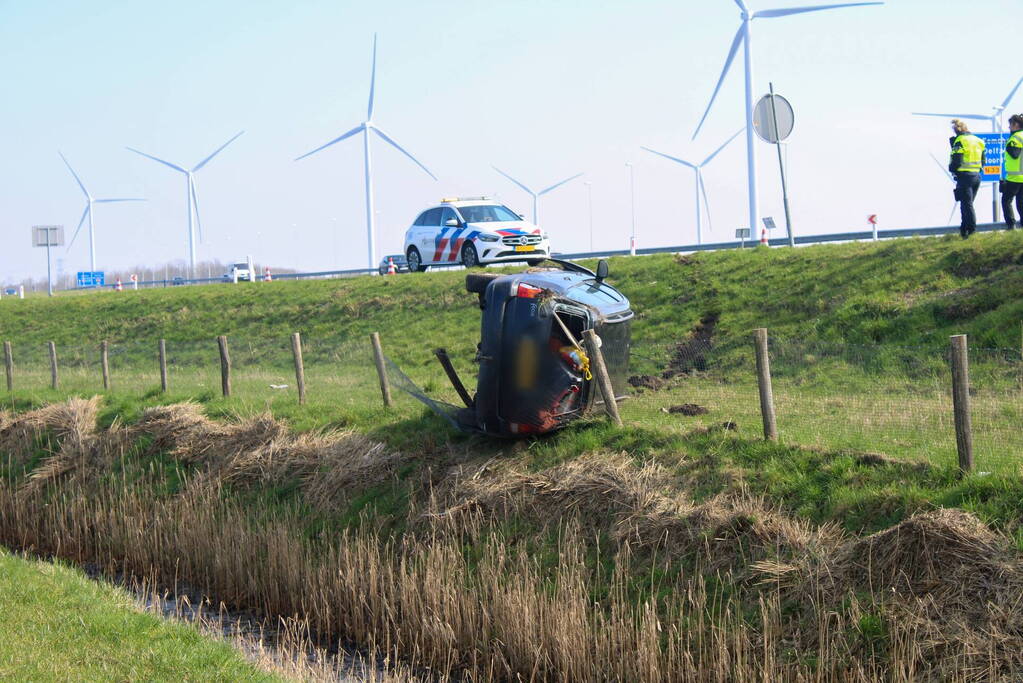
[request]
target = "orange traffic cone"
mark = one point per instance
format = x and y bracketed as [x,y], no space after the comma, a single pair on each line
[266,275]
[763,236]
[391,270]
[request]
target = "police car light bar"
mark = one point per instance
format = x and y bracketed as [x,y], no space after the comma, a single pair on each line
[448,200]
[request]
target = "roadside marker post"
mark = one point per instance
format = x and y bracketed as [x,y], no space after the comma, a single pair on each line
[872,219]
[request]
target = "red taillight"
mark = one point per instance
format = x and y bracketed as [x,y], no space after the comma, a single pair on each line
[528,291]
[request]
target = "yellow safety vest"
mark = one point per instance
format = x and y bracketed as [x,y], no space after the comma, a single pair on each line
[972,149]
[1014,167]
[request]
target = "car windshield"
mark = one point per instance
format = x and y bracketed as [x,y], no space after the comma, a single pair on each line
[486,213]
[242,266]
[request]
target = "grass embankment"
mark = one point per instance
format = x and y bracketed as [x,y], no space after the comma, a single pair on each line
[59,625]
[697,546]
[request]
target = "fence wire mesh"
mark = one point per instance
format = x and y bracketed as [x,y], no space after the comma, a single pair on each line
[891,400]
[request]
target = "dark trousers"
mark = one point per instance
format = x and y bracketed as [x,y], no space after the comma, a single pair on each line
[967,185]
[1010,192]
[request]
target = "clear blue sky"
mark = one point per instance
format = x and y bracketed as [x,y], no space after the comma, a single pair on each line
[542,89]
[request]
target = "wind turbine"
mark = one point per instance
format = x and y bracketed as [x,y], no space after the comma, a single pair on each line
[995,117]
[536,195]
[699,186]
[950,177]
[89,201]
[367,127]
[191,198]
[745,36]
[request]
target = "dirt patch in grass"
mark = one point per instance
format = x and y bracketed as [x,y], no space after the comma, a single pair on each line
[690,409]
[646,382]
[690,355]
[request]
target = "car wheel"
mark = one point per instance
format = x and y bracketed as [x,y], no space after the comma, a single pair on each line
[476,283]
[470,259]
[415,261]
[534,261]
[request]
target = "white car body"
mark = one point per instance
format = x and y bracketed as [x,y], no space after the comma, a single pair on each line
[454,230]
[241,270]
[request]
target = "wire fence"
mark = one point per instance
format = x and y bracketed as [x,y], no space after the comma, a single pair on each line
[890,400]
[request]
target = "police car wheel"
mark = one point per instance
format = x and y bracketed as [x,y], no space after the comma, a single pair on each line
[415,261]
[470,259]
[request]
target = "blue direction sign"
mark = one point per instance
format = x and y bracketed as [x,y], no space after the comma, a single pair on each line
[90,279]
[995,143]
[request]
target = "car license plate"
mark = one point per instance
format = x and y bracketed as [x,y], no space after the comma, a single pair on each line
[524,247]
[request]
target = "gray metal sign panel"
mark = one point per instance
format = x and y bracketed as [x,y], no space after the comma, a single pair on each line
[47,235]
[763,118]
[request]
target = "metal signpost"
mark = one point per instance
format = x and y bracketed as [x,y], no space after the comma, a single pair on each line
[48,236]
[773,120]
[742,234]
[872,219]
[992,169]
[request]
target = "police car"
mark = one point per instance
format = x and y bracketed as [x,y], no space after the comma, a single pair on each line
[472,231]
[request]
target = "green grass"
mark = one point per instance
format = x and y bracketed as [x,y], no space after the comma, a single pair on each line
[59,625]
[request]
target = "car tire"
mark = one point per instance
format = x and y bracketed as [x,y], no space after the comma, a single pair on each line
[533,262]
[415,261]
[470,259]
[476,283]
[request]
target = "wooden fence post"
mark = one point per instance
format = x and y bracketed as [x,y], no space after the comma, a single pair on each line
[9,365]
[764,383]
[600,374]
[163,366]
[53,364]
[961,402]
[296,351]
[225,366]
[104,360]
[378,356]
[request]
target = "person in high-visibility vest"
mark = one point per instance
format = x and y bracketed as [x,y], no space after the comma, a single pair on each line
[966,163]
[1012,186]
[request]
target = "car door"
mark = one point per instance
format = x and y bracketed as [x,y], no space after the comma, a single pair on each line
[453,245]
[429,236]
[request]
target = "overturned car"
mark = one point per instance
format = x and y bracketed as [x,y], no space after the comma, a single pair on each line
[534,370]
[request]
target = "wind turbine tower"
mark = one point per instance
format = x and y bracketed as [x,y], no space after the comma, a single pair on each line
[367,127]
[89,201]
[536,195]
[744,36]
[191,198]
[699,186]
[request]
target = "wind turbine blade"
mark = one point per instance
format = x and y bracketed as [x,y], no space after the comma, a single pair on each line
[979,117]
[402,150]
[526,189]
[119,199]
[742,5]
[80,221]
[557,185]
[724,72]
[952,213]
[372,81]
[195,203]
[706,203]
[358,129]
[77,179]
[150,156]
[1005,102]
[668,156]
[718,150]
[784,12]
[218,151]
[941,166]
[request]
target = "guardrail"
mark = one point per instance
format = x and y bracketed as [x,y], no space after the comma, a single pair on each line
[716,246]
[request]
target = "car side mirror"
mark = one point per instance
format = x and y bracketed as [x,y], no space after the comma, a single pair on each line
[452,223]
[601,270]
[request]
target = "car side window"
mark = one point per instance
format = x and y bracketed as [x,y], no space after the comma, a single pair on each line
[422,219]
[447,214]
[432,217]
